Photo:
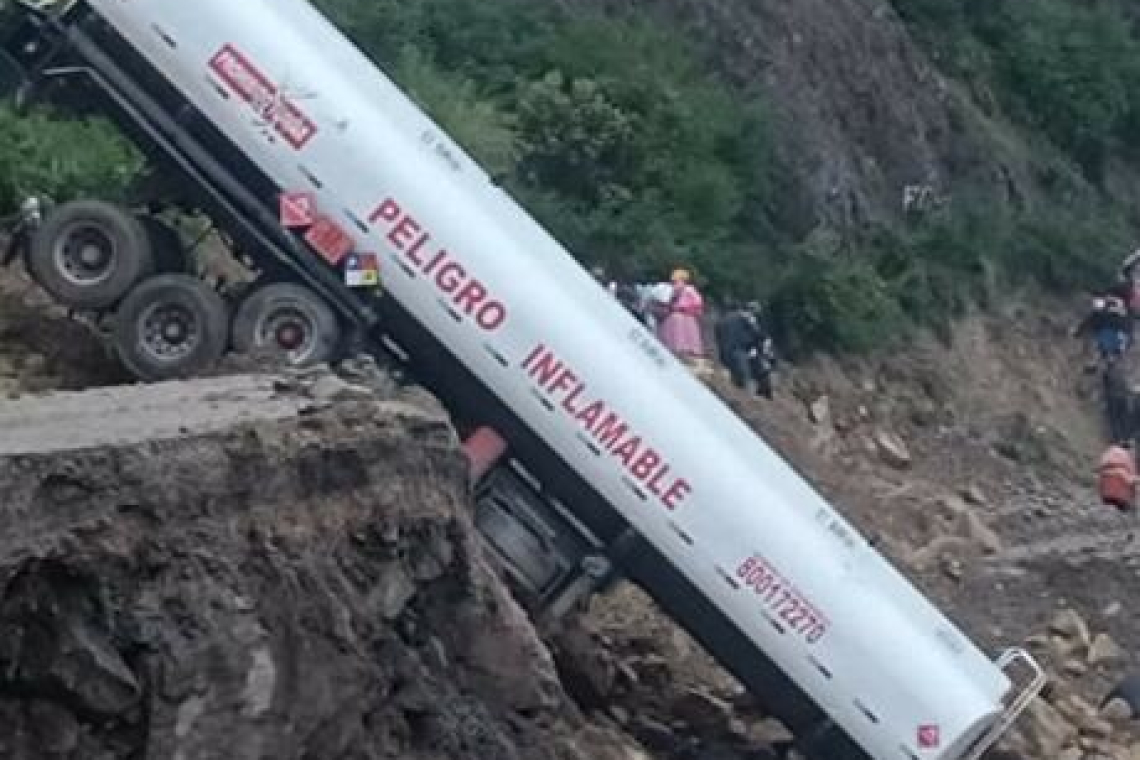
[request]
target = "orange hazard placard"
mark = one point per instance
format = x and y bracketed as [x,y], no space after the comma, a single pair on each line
[329,239]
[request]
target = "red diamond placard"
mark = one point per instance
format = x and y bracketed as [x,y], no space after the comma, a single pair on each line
[298,210]
[929,737]
[329,239]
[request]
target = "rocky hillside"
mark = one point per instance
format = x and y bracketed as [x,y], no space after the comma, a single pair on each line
[864,113]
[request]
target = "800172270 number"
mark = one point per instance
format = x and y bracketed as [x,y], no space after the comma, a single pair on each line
[783,599]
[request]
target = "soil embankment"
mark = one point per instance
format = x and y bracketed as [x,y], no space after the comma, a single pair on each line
[256,567]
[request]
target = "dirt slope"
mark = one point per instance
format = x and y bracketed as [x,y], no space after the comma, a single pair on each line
[295,580]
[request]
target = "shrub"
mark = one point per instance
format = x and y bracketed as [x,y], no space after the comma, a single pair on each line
[47,154]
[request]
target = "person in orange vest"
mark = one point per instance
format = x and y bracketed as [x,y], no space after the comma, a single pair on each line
[1117,477]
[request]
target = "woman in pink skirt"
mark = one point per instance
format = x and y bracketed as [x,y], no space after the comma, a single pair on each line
[680,326]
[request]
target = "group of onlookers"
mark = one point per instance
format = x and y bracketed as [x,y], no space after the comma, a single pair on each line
[1109,322]
[675,311]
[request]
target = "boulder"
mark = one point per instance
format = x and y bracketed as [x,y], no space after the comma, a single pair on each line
[1042,732]
[1104,651]
[981,535]
[941,551]
[702,710]
[1075,668]
[892,449]
[1069,625]
[974,495]
[1117,711]
[819,411]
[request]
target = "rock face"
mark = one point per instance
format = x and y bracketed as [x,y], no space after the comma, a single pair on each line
[303,583]
[864,118]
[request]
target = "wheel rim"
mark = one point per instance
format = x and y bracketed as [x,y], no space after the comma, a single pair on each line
[85,255]
[169,331]
[289,330]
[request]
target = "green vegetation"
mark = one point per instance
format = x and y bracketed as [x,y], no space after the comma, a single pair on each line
[620,138]
[45,153]
[609,130]
[1070,69]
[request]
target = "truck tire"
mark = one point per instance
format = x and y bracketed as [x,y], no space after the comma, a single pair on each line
[289,321]
[171,326]
[88,254]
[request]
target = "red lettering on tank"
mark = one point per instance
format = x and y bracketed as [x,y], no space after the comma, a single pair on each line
[416,243]
[589,416]
[470,297]
[610,430]
[438,259]
[568,402]
[450,276]
[644,463]
[676,493]
[564,382]
[542,366]
[402,234]
[414,251]
[628,451]
[655,484]
[492,316]
[388,211]
[263,97]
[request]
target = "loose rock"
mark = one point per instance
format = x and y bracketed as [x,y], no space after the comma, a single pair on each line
[1068,624]
[892,450]
[819,411]
[1104,651]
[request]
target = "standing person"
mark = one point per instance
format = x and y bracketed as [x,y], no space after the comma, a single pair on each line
[680,327]
[654,303]
[745,348]
[1116,477]
[736,334]
[1109,325]
[628,296]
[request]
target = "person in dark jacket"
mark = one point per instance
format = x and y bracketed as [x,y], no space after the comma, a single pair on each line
[745,348]
[1109,324]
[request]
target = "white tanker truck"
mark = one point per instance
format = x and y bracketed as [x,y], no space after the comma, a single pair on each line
[596,453]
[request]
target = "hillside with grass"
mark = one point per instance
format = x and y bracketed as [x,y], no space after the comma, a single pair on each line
[863,167]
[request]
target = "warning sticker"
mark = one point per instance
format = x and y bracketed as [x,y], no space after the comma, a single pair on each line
[298,210]
[362,270]
[329,239]
[242,77]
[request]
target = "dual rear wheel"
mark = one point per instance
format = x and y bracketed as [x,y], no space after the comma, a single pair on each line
[94,256]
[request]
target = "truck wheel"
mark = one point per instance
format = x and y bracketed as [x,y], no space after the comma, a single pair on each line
[288,320]
[170,326]
[88,254]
